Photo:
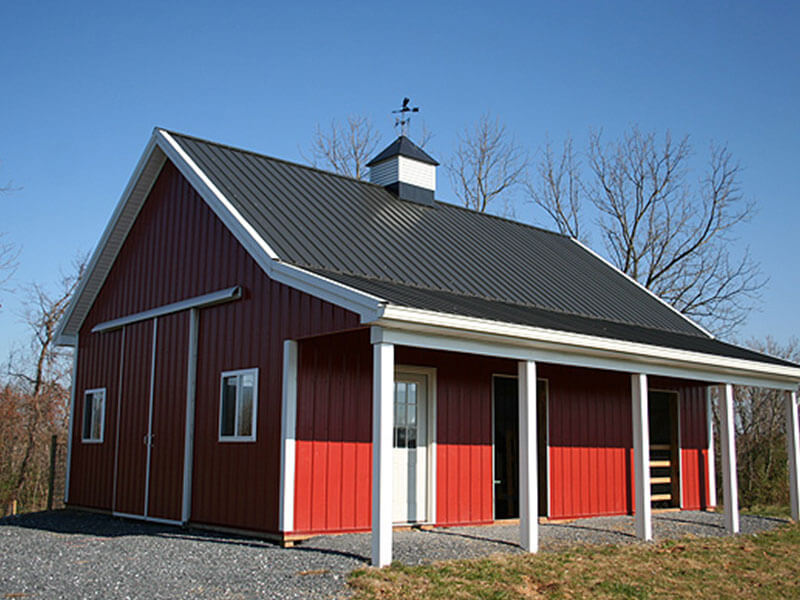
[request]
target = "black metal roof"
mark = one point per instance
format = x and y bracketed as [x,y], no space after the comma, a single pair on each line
[468,306]
[443,257]
[403,146]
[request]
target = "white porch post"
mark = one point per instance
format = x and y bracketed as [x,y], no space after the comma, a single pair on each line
[643,514]
[382,424]
[288,435]
[793,446]
[712,464]
[730,486]
[528,470]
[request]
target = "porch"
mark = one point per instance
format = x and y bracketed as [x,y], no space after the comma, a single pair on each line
[340,393]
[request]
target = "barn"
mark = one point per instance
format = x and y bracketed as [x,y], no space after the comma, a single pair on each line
[265,347]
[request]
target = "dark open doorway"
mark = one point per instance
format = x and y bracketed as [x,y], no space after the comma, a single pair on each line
[506,447]
[664,471]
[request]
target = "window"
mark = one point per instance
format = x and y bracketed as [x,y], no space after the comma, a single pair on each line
[238,406]
[94,415]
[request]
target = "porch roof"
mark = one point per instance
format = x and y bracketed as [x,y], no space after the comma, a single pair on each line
[462,305]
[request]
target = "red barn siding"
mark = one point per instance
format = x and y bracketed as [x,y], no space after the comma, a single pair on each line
[464,481]
[169,417]
[177,249]
[333,486]
[133,417]
[92,472]
[591,446]
[694,447]
[333,451]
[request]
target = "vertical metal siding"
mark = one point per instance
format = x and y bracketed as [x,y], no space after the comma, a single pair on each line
[694,447]
[92,471]
[169,417]
[133,417]
[178,249]
[590,442]
[334,434]
[333,452]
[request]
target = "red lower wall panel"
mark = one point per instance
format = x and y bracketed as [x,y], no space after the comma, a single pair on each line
[694,447]
[334,434]
[591,446]
[333,485]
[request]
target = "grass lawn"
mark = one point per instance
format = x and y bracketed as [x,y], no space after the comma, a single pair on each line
[765,565]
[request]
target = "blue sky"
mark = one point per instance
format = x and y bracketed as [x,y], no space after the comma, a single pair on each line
[83,85]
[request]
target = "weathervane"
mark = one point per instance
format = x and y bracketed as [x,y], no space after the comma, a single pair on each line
[404,119]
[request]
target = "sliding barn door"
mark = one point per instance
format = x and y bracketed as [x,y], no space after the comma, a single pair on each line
[169,417]
[133,415]
[152,418]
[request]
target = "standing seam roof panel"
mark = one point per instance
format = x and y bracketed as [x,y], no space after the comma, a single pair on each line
[320,220]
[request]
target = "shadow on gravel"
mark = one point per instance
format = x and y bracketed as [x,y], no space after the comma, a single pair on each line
[603,530]
[105,526]
[479,538]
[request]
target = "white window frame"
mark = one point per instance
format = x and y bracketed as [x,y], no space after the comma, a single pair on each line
[238,438]
[84,438]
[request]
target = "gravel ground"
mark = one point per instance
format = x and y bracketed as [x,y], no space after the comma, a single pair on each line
[67,554]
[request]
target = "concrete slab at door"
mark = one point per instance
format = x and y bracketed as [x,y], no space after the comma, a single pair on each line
[169,414]
[131,468]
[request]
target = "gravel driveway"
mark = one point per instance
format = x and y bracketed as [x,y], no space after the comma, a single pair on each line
[67,554]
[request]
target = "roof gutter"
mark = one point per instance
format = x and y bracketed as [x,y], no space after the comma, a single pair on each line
[416,327]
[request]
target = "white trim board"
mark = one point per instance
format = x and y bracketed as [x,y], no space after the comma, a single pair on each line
[117,229]
[232,293]
[414,327]
[642,287]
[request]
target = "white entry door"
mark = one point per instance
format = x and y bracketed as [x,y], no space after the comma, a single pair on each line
[410,448]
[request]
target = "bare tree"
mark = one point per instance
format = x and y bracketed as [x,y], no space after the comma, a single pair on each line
[673,235]
[38,387]
[761,458]
[487,164]
[345,148]
[9,253]
[557,188]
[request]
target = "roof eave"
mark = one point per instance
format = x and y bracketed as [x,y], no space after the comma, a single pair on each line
[468,334]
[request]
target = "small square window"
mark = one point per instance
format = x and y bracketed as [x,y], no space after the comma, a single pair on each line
[94,415]
[238,406]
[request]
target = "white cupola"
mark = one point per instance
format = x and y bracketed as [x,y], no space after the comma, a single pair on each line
[406,170]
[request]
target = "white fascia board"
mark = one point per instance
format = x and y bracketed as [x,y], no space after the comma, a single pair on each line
[369,307]
[221,206]
[415,327]
[68,339]
[639,285]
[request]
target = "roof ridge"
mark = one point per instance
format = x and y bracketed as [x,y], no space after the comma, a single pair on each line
[323,271]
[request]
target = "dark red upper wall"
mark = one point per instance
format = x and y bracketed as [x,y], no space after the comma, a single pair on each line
[178,249]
